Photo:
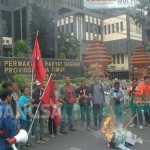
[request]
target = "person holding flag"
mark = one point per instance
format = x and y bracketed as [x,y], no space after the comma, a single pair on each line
[37,66]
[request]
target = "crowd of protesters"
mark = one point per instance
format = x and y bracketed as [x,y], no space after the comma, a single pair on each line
[18,107]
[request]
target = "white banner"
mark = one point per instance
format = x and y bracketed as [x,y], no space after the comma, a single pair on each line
[104,4]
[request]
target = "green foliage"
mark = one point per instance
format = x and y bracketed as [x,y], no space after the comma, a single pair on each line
[69,45]
[20,79]
[62,56]
[147,47]
[142,17]
[21,48]
[42,20]
[1,83]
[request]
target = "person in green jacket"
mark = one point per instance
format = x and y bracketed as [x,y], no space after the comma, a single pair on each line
[68,95]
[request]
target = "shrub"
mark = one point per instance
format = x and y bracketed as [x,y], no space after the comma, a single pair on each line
[20,79]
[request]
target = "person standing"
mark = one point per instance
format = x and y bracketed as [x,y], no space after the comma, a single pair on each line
[68,95]
[143,94]
[136,108]
[40,116]
[83,93]
[25,103]
[51,124]
[8,86]
[8,123]
[116,96]
[98,100]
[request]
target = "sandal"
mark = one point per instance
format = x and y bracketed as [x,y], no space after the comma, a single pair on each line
[23,147]
[29,144]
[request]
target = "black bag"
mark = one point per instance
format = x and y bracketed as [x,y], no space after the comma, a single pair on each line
[4,133]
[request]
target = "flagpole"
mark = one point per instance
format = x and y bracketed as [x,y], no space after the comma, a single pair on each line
[32,81]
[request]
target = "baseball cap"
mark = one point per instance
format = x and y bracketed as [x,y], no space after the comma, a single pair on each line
[37,82]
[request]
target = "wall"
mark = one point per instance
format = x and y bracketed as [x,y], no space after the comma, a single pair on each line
[120,65]
[121,34]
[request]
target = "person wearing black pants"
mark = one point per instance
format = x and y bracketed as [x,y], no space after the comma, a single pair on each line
[52,127]
[51,124]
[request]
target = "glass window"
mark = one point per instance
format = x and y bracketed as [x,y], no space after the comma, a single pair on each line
[67,28]
[117,27]
[122,59]
[118,59]
[105,30]
[99,29]
[71,27]
[63,28]
[113,28]
[86,26]
[114,59]
[7,41]
[121,26]
[108,29]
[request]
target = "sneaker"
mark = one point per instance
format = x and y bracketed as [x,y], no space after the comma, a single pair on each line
[95,128]
[82,129]
[52,135]
[44,139]
[141,127]
[39,142]
[149,125]
[132,125]
[89,129]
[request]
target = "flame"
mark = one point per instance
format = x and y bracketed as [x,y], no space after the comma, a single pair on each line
[108,127]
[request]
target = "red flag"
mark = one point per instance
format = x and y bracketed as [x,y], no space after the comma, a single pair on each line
[49,99]
[37,63]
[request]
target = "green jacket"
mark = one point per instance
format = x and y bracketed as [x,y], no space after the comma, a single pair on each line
[62,90]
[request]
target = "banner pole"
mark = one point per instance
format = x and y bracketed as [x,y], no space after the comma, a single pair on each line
[32,81]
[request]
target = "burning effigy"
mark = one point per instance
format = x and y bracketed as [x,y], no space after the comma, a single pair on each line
[114,133]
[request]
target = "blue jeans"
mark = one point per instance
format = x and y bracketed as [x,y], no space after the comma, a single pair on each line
[25,125]
[66,109]
[85,110]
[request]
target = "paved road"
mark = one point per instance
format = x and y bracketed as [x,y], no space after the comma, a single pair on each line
[90,140]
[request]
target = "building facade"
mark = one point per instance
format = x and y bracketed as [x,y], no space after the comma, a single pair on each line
[116,29]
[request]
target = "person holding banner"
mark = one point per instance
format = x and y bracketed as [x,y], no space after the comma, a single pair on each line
[8,124]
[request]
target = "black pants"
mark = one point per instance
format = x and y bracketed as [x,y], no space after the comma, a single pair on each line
[51,126]
[97,111]
[147,117]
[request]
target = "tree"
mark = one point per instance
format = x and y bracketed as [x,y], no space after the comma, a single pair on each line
[69,45]
[142,17]
[42,20]
[21,48]
[62,56]
[143,14]
[147,47]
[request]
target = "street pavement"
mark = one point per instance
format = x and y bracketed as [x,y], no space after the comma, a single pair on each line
[87,140]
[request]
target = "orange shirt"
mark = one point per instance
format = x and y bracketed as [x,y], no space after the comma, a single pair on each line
[143,90]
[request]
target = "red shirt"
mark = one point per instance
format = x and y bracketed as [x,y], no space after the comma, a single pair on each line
[70,94]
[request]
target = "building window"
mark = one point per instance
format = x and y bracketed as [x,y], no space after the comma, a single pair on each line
[71,27]
[122,59]
[91,27]
[63,28]
[58,28]
[105,32]
[108,29]
[121,26]
[114,59]
[113,28]
[99,29]
[7,41]
[67,28]
[118,59]
[86,26]
[117,27]
[3,41]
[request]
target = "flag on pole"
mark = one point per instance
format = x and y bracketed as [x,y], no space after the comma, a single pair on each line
[37,63]
[51,104]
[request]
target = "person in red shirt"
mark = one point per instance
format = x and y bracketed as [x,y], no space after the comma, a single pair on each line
[142,93]
[134,107]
